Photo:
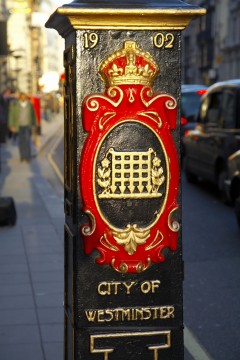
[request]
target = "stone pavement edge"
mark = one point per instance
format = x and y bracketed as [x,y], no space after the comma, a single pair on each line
[31,258]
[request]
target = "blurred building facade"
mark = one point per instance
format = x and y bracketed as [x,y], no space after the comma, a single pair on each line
[211,44]
[31,50]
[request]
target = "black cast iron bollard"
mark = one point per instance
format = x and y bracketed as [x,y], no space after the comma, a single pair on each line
[123,257]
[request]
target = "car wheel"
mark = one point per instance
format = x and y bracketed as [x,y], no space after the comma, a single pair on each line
[222,176]
[191,178]
[237,210]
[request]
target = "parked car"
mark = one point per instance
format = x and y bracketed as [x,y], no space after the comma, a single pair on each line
[232,183]
[190,104]
[216,136]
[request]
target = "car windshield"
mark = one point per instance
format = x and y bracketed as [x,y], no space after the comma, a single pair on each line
[190,104]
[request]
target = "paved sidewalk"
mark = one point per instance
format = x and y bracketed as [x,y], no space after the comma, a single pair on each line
[31,260]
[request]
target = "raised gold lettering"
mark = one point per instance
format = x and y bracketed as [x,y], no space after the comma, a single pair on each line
[103,288]
[155,313]
[90,315]
[146,287]
[163,312]
[150,286]
[116,284]
[113,288]
[90,40]
[139,312]
[155,285]
[147,314]
[167,312]
[161,40]
[100,313]
[171,311]
[116,313]
[126,313]
[109,312]
[129,286]
[130,314]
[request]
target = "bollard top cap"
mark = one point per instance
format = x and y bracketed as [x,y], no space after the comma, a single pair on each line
[123,15]
[138,4]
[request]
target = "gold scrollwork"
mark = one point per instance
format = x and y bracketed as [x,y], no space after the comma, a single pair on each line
[131,237]
[93,105]
[170,103]
[105,118]
[106,243]
[154,348]
[156,241]
[152,115]
[89,230]
[123,267]
[140,268]
[173,224]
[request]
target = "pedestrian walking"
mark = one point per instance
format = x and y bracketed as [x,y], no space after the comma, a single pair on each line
[4,104]
[22,119]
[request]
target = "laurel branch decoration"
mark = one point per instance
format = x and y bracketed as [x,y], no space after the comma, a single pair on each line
[157,174]
[104,173]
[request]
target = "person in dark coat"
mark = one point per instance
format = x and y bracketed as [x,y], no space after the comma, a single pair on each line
[22,119]
[3,119]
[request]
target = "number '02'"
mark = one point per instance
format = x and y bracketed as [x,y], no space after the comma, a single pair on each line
[165,41]
[90,40]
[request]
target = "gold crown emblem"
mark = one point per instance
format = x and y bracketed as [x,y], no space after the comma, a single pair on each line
[130,65]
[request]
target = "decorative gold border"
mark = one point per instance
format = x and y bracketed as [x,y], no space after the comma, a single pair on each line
[154,348]
[170,104]
[87,230]
[167,170]
[152,115]
[156,241]
[173,225]
[106,243]
[133,19]
[93,105]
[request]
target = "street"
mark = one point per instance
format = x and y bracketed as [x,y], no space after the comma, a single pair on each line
[211,252]
[211,248]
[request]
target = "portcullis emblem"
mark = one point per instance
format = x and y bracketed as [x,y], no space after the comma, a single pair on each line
[129,172]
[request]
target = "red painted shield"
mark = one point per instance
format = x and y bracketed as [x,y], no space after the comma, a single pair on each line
[129,172]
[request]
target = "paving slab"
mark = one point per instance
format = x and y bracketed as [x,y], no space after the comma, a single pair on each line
[31,258]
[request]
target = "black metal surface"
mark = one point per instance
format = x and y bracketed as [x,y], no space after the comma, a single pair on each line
[85,305]
[82,275]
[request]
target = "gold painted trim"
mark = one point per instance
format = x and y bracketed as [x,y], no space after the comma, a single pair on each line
[154,348]
[156,241]
[87,230]
[167,172]
[106,243]
[105,118]
[93,105]
[123,267]
[173,225]
[130,19]
[152,115]
[170,104]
